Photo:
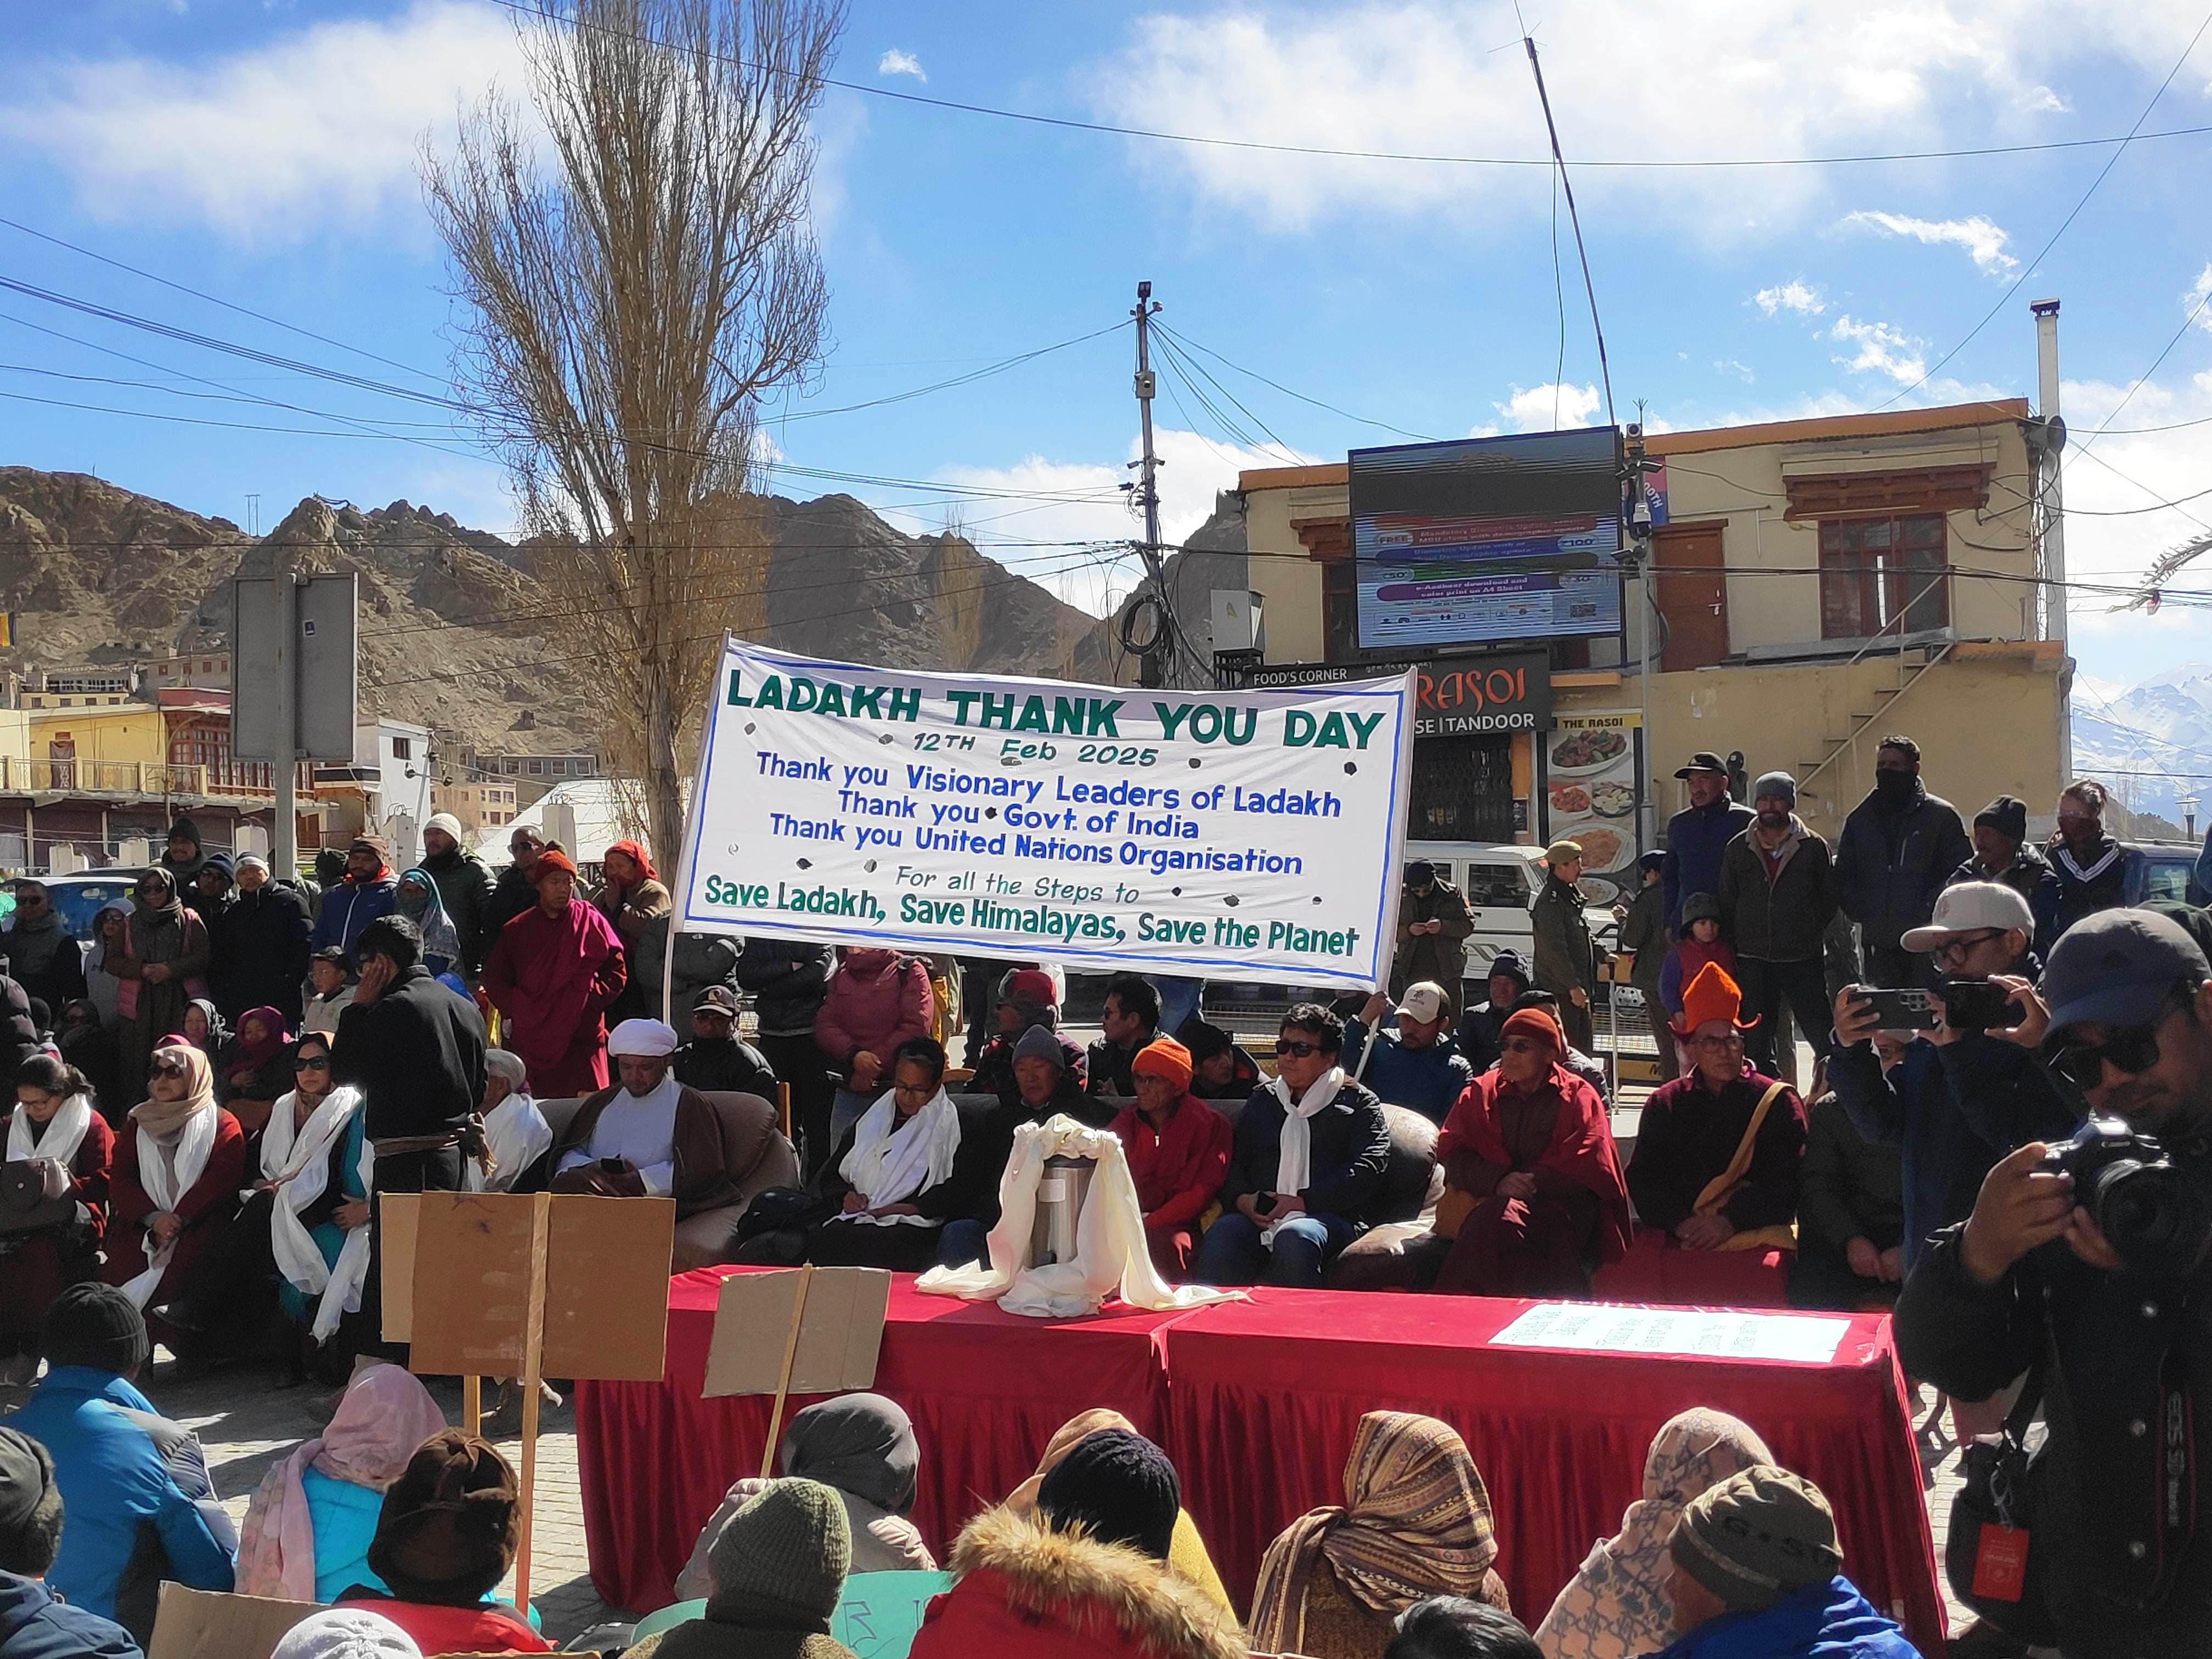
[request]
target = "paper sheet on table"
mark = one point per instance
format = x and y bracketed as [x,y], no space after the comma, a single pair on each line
[1588,1327]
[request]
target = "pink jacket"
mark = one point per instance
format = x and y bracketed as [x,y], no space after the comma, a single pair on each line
[871,1006]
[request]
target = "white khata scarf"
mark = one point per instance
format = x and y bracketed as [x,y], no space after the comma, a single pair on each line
[889,1168]
[1294,1156]
[302,1172]
[64,1134]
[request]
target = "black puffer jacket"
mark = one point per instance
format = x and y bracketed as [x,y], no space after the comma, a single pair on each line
[1891,864]
[788,983]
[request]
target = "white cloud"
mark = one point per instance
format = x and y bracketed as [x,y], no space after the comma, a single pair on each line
[1984,240]
[2199,299]
[1793,295]
[2042,100]
[269,145]
[896,62]
[1547,408]
[1881,348]
[1730,366]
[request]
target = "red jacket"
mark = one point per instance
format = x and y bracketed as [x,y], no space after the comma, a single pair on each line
[874,1006]
[206,1204]
[485,1628]
[1581,1149]
[1178,1171]
[89,1170]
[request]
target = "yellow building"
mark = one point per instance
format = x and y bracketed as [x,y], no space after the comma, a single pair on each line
[1817,584]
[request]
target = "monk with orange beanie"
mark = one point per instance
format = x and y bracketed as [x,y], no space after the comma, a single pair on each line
[1178,1150]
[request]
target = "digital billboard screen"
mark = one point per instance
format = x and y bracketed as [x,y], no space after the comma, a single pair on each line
[1510,537]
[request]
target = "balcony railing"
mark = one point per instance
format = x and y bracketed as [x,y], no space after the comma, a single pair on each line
[248,780]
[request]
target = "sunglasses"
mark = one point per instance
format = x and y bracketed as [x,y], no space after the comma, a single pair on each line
[2132,1049]
[1301,1049]
[170,1068]
[314,1063]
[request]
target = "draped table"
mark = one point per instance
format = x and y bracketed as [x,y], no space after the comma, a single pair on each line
[986,1390]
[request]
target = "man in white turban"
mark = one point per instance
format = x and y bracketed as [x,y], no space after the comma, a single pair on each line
[648,1135]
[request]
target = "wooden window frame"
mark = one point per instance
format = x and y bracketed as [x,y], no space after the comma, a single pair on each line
[1864,590]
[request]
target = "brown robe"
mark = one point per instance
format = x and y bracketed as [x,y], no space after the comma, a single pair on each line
[703,1178]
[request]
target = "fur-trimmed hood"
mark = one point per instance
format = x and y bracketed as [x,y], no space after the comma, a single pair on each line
[1108,1592]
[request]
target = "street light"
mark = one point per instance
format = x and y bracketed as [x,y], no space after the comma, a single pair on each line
[2188,806]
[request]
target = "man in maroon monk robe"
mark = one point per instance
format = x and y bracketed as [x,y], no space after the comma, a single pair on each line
[1528,1145]
[555,971]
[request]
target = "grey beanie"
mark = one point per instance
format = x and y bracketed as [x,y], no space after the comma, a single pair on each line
[1038,1044]
[1780,784]
[1759,1536]
[781,1559]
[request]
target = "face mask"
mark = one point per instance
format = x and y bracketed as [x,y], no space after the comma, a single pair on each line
[1895,785]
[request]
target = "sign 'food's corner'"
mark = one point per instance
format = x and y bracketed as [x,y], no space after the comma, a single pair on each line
[1178,832]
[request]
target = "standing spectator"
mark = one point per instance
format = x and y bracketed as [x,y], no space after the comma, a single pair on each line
[1130,1020]
[1646,942]
[1777,894]
[1850,1215]
[2001,854]
[53,1127]
[370,891]
[878,1001]
[183,856]
[163,962]
[1697,942]
[124,1470]
[788,979]
[2091,867]
[1697,835]
[465,888]
[111,942]
[41,956]
[1307,1166]
[418,901]
[89,1046]
[1899,847]
[1433,923]
[20,1036]
[179,1166]
[258,949]
[208,890]
[415,1051]
[331,991]
[1178,1150]
[34,1623]
[637,906]
[515,892]
[1530,1146]
[716,1059]
[1482,1026]
[1416,1064]
[556,971]
[1565,962]
[330,871]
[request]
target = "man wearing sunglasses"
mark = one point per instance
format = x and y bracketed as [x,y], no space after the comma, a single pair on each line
[2122,1495]
[1310,1152]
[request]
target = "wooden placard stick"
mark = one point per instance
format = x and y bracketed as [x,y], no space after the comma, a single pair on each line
[783,1383]
[472,1405]
[533,1347]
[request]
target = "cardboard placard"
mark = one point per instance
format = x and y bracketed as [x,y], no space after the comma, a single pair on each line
[192,1624]
[606,1289]
[839,1339]
[401,1212]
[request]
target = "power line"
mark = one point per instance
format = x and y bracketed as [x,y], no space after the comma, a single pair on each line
[1252,373]
[1574,218]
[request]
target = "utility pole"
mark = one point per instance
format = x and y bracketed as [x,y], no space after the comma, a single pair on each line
[1165,649]
[1640,551]
[2055,590]
[284,832]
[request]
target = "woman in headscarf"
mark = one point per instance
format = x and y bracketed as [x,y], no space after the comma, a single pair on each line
[89,1046]
[52,1123]
[634,899]
[862,1447]
[159,959]
[1617,1604]
[1415,1523]
[516,1132]
[308,1528]
[254,1067]
[420,902]
[202,1026]
[1187,1556]
[101,984]
[178,1168]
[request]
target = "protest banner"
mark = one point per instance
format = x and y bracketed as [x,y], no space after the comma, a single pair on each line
[1253,832]
[830,1322]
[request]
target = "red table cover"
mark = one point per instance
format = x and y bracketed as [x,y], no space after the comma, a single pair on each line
[986,1390]
[1264,1397]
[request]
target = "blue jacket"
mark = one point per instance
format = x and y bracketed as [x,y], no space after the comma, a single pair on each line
[1424,1080]
[35,1625]
[1824,1621]
[117,1491]
[1696,838]
[344,1517]
[346,909]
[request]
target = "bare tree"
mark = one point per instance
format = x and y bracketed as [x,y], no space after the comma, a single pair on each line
[630,301]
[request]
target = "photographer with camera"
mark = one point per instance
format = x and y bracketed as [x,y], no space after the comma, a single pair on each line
[2084,1265]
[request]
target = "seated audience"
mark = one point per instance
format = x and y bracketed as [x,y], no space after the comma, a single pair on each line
[1026,1000]
[1617,1604]
[1716,1153]
[1415,1523]
[445,1537]
[34,1622]
[136,1485]
[1178,1151]
[53,1125]
[1481,1026]
[310,1524]
[1757,1571]
[1850,1215]
[1453,1627]
[254,1067]
[1416,1065]
[648,1135]
[861,1447]
[179,1165]
[877,999]
[89,1045]
[776,1567]
[203,1027]
[1589,1067]
[904,1171]
[516,1134]
[1308,1161]
[1131,1019]
[716,1061]
[1041,1084]
[1219,1069]
[1529,1148]
[330,990]
[345,1633]
[1085,1573]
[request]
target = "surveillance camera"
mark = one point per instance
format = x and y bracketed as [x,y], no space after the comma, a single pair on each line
[1639,516]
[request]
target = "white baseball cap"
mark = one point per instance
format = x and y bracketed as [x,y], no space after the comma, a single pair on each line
[1424,1001]
[1971,907]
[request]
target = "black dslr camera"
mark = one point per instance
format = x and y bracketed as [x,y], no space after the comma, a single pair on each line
[2153,1213]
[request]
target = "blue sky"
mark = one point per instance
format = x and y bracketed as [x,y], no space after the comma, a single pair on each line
[264,151]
